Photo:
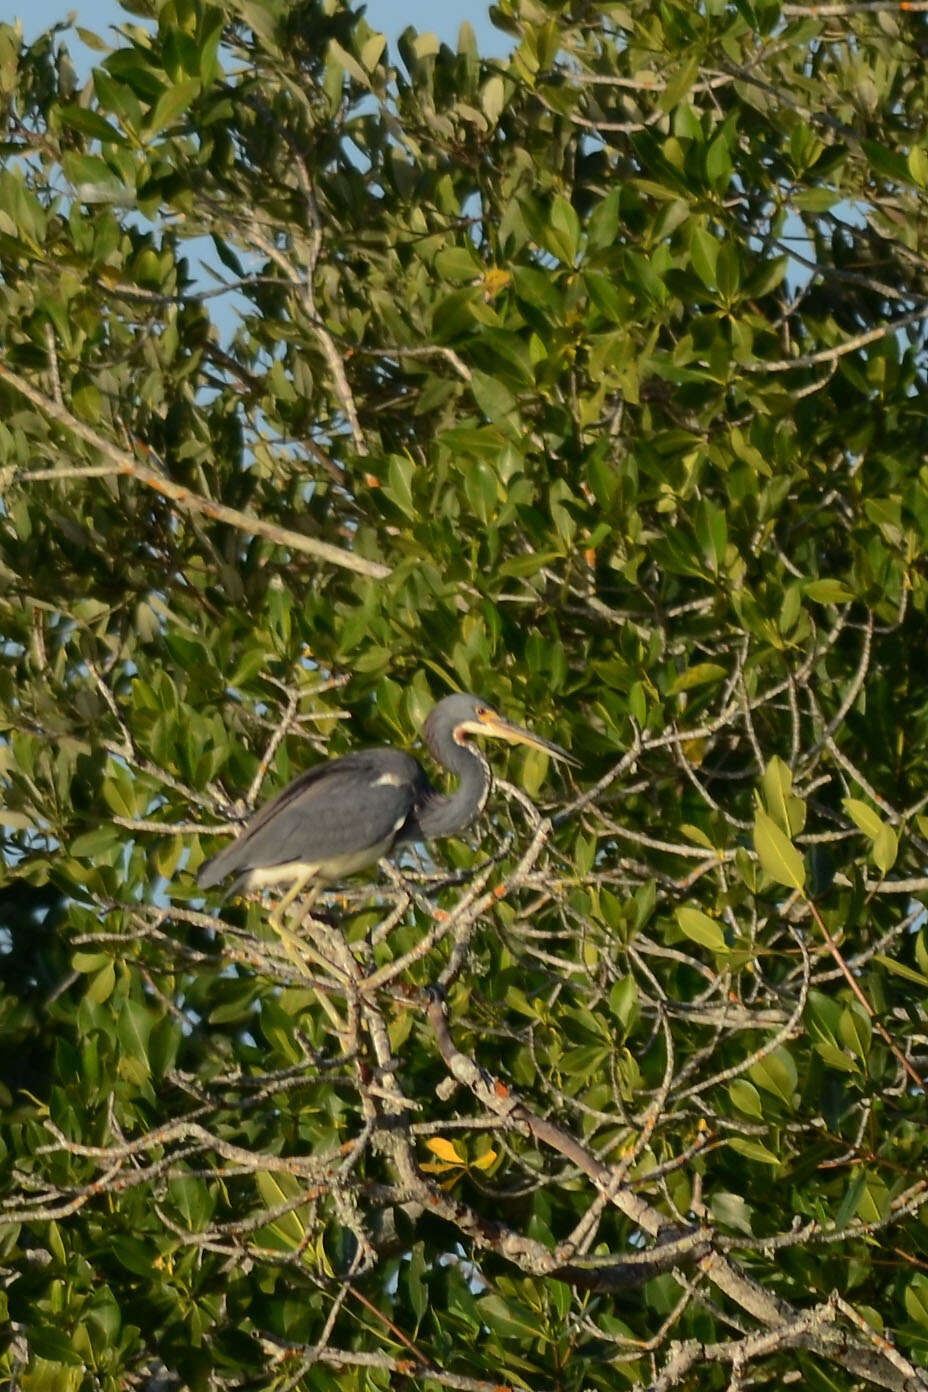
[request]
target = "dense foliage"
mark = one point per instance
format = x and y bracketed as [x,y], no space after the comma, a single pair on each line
[591,379]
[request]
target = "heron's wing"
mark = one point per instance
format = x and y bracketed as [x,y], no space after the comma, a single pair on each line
[334,810]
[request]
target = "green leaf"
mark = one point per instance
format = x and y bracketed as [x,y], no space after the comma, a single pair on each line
[100,987]
[494,399]
[606,296]
[563,230]
[875,1201]
[98,840]
[134,1028]
[117,794]
[93,124]
[778,856]
[921,951]
[732,1211]
[399,487]
[712,534]
[886,162]
[917,162]
[695,833]
[901,969]
[416,1272]
[787,810]
[704,254]
[753,1150]
[855,1030]
[372,51]
[728,272]
[815,200]
[863,816]
[350,64]
[191,1198]
[767,277]
[885,842]
[851,1200]
[492,98]
[680,82]
[702,929]
[718,160]
[509,1318]
[699,675]
[94,181]
[835,1057]
[603,222]
[277,1189]
[776,1073]
[827,591]
[916,1299]
[91,40]
[21,206]
[885,849]
[623,1000]
[170,105]
[646,280]
[458,264]
[86,400]
[209,67]
[746,1098]
[88,961]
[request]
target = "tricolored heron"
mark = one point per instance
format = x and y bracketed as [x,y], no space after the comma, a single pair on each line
[344,815]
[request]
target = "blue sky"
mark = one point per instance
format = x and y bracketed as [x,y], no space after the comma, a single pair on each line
[389,16]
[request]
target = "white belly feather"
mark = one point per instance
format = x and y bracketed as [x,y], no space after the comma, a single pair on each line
[328,872]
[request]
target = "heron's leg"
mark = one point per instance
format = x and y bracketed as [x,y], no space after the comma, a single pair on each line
[296,888]
[298,949]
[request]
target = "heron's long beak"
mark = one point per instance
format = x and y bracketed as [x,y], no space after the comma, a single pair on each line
[498,727]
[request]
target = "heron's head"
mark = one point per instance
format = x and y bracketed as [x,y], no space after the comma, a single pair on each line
[461,715]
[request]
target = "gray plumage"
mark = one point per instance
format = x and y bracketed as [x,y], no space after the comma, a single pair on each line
[343,815]
[336,810]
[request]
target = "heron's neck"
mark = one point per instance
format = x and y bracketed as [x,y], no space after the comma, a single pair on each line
[443,814]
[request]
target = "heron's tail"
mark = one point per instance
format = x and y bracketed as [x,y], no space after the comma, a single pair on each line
[218,867]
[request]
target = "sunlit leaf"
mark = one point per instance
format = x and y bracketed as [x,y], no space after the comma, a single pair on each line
[777,854]
[445,1150]
[701,928]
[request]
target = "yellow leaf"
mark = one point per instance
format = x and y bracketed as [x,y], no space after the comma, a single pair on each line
[494,281]
[484,1161]
[694,751]
[446,1150]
